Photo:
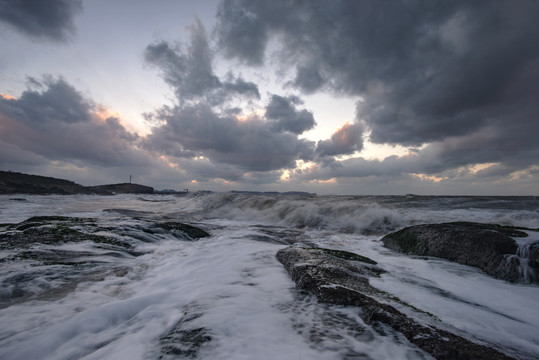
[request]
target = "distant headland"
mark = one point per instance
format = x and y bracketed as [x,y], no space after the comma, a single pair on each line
[19,183]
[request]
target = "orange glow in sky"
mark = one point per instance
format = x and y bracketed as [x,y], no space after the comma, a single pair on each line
[103,114]
[328,181]
[7,97]
[425,177]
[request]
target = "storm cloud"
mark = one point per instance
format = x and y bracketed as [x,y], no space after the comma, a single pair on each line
[57,123]
[460,75]
[58,102]
[344,141]
[252,145]
[51,20]
[283,115]
[189,71]
[202,125]
[446,91]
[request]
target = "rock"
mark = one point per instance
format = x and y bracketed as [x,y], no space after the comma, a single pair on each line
[55,269]
[52,230]
[184,343]
[312,267]
[185,340]
[485,246]
[155,230]
[337,280]
[191,231]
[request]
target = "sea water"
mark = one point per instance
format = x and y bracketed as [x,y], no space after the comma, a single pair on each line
[230,288]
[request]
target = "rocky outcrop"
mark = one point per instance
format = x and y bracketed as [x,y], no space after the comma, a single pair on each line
[58,230]
[50,230]
[336,277]
[488,247]
[56,266]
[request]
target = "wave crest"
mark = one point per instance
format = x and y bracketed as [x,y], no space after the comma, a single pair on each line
[342,214]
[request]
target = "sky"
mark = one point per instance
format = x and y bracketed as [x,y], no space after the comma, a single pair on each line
[334,97]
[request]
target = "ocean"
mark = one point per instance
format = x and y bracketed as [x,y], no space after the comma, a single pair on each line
[227,297]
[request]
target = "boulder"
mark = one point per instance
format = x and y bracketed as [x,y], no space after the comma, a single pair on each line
[488,247]
[340,280]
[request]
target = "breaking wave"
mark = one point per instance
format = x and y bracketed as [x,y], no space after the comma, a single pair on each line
[343,214]
[368,215]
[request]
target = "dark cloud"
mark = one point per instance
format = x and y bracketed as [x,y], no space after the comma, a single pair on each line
[172,64]
[12,157]
[49,20]
[204,171]
[454,159]
[251,144]
[284,116]
[242,87]
[346,140]
[308,78]
[189,70]
[59,102]
[202,126]
[243,32]
[460,75]
[59,124]
[495,171]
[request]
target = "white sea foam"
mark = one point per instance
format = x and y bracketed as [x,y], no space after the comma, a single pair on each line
[231,285]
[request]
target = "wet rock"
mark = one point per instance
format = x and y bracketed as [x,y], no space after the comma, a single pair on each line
[40,239]
[191,231]
[51,232]
[185,341]
[339,280]
[485,246]
[178,230]
[39,258]
[37,264]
